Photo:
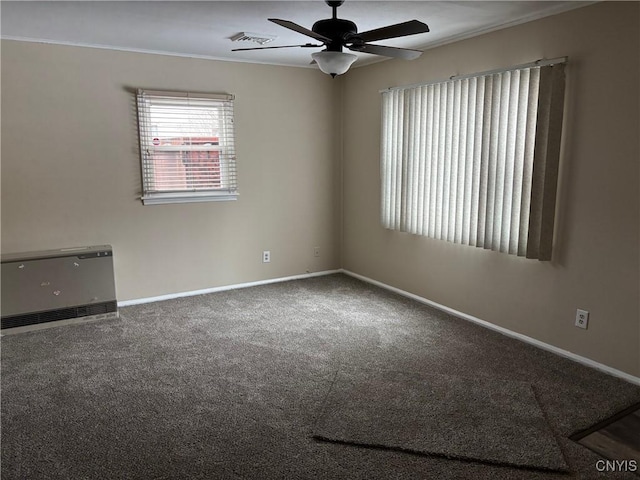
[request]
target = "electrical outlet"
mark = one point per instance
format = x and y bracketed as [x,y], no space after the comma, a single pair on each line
[582,319]
[266,256]
[316,251]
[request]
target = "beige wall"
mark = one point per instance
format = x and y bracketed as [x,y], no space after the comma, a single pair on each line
[71,175]
[596,261]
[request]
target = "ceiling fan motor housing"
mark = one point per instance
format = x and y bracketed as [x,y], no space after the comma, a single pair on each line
[337,29]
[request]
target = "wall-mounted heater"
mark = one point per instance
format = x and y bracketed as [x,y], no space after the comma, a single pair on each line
[54,287]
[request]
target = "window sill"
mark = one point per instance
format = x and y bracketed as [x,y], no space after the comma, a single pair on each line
[189,197]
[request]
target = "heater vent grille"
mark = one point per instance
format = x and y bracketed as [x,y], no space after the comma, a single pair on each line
[60,314]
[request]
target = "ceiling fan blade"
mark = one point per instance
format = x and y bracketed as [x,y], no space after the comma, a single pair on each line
[297,28]
[306,45]
[404,53]
[411,27]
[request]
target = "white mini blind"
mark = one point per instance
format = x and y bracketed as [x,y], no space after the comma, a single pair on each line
[475,160]
[187,146]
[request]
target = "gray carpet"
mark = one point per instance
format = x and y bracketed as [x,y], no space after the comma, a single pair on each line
[493,421]
[229,386]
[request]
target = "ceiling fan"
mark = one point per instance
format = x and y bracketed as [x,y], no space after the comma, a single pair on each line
[336,33]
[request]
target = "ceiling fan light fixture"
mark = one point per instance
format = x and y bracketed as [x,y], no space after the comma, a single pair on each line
[334,63]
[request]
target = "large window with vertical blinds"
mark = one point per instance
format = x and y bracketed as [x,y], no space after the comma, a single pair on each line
[187,148]
[474,160]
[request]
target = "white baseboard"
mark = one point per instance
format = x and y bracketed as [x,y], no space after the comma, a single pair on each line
[545,346]
[170,296]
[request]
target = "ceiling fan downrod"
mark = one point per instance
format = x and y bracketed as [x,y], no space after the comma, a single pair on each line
[334,6]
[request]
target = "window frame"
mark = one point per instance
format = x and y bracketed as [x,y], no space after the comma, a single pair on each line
[225,147]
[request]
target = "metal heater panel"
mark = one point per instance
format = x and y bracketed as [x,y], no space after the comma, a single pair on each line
[50,286]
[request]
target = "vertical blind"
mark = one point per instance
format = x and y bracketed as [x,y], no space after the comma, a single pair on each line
[474,160]
[186,146]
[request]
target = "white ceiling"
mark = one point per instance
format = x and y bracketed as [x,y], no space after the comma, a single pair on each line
[203,29]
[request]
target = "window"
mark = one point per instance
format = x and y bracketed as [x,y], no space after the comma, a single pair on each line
[474,160]
[186,147]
